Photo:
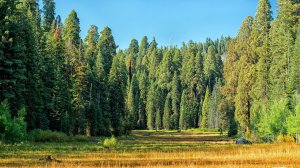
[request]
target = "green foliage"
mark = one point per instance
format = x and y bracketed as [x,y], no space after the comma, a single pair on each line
[183,110]
[49,14]
[12,130]
[107,48]
[273,119]
[293,121]
[167,113]
[205,109]
[150,107]
[116,96]
[47,136]
[110,142]
[175,96]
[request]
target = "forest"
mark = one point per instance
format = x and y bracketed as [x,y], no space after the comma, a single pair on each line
[52,79]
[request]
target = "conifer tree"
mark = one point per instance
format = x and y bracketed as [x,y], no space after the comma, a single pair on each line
[92,109]
[116,96]
[133,103]
[183,110]
[150,106]
[107,48]
[205,108]
[12,57]
[294,80]
[165,74]
[143,91]
[49,14]
[245,80]
[167,113]
[282,35]
[175,96]
[76,72]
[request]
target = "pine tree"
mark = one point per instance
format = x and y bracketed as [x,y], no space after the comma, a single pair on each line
[151,106]
[167,113]
[107,48]
[165,74]
[133,103]
[75,72]
[210,67]
[238,48]
[245,81]
[143,91]
[37,117]
[205,109]
[92,110]
[294,81]
[49,14]
[214,113]
[183,110]
[131,57]
[282,35]
[12,56]
[143,46]
[175,96]
[55,95]
[260,49]
[116,96]
[103,121]
[158,125]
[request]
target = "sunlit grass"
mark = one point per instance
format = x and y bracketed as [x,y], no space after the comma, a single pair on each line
[156,150]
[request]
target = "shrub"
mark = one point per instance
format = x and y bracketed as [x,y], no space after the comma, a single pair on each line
[47,136]
[110,142]
[285,139]
[273,119]
[12,130]
[80,138]
[293,121]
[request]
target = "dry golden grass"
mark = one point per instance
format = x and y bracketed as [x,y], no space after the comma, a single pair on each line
[157,155]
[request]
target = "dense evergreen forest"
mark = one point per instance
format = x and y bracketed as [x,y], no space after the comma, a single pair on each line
[244,85]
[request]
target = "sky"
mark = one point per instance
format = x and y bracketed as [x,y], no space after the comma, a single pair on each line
[171,22]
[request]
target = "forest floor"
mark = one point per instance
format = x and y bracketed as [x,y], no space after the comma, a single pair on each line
[153,149]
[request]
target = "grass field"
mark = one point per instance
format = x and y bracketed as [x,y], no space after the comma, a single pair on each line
[153,149]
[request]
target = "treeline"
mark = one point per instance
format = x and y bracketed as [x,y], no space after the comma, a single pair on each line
[262,73]
[85,86]
[246,85]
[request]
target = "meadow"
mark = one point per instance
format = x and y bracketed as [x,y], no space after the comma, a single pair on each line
[152,149]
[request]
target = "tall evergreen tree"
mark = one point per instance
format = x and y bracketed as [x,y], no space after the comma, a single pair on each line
[294,80]
[183,110]
[12,56]
[92,108]
[245,80]
[107,48]
[205,108]
[175,96]
[117,85]
[49,14]
[151,106]
[133,103]
[143,90]
[75,72]
[282,35]
[167,113]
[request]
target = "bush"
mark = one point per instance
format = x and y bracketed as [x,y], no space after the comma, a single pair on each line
[293,121]
[285,139]
[12,130]
[273,119]
[110,142]
[80,138]
[47,136]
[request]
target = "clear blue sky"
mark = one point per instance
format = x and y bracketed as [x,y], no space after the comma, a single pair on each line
[171,22]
